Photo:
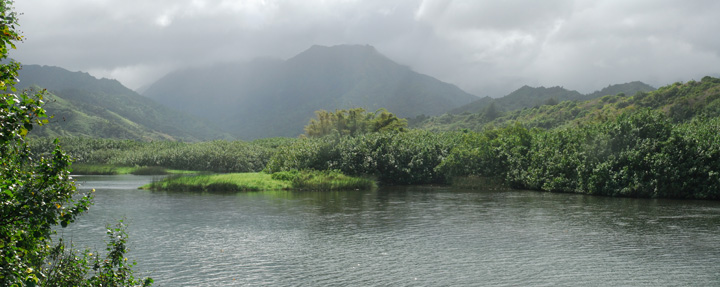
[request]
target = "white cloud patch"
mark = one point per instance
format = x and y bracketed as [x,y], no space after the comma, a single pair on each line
[485,47]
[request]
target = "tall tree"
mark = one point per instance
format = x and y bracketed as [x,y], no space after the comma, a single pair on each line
[353,122]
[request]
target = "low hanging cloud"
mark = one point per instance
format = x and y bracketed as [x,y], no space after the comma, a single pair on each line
[488,48]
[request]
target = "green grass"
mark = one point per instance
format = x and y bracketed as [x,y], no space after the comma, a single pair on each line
[108,169]
[220,182]
[232,182]
[323,180]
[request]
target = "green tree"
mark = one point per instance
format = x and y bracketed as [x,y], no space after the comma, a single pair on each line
[353,122]
[37,193]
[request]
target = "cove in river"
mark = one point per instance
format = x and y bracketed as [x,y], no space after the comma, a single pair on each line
[405,236]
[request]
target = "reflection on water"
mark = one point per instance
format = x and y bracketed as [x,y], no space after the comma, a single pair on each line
[406,236]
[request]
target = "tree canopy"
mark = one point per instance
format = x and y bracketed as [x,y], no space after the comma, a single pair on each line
[353,122]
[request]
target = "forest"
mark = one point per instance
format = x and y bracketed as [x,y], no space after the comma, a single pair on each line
[664,143]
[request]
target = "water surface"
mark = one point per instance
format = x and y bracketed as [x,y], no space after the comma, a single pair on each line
[408,236]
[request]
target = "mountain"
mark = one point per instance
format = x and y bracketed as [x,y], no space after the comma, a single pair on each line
[527,97]
[679,101]
[266,98]
[629,89]
[83,105]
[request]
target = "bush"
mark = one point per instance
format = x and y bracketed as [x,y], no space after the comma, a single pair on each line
[392,158]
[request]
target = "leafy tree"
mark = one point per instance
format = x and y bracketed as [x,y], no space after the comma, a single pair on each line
[353,122]
[36,191]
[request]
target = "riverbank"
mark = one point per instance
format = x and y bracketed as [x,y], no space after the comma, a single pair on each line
[260,181]
[109,169]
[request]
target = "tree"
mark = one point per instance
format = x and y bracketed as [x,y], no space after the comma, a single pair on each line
[353,122]
[491,112]
[37,193]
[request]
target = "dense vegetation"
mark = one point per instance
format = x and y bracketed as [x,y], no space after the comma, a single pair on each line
[294,179]
[37,194]
[679,101]
[353,122]
[528,97]
[215,156]
[659,144]
[640,154]
[391,157]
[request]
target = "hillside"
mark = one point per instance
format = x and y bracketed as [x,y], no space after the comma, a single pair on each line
[266,98]
[679,101]
[527,97]
[85,106]
[630,88]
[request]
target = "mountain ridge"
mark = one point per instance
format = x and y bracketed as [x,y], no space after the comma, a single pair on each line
[266,100]
[528,97]
[83,105]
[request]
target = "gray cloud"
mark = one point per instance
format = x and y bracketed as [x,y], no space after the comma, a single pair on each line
[485,47]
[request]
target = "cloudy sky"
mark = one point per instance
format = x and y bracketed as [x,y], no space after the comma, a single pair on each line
[484,47]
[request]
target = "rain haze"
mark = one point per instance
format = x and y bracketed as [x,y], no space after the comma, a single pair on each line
[487,48]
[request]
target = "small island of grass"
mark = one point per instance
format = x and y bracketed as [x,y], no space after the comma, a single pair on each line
[110,169]
[260,181]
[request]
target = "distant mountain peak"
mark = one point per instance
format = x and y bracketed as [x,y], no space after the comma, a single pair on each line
[279,101]
[343,47]
[317,53]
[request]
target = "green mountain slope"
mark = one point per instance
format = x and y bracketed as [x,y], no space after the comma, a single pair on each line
[630,88]
[85,106]
[267,98]
[527,97]
[679,101]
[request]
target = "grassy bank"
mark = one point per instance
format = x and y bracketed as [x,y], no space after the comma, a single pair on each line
[109,169]
[291,180]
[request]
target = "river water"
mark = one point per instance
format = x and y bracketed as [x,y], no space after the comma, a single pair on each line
[407,236]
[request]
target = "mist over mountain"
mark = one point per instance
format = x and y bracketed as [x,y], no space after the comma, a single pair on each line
[265,98]
[83,105]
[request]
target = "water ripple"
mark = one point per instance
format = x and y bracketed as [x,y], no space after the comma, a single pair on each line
[408,237]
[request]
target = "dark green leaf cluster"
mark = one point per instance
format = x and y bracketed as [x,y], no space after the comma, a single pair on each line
[353,122]
[640,154]
[393,157]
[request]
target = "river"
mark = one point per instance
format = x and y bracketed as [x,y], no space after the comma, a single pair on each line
[405,236]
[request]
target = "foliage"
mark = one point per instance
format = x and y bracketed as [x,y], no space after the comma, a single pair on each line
[71,267]
[323,180]
[228,182]
[680,102]
[353,122]
[293,179]
[36,191]
[216,156]
[392,158]
[640,154]
[494,152]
